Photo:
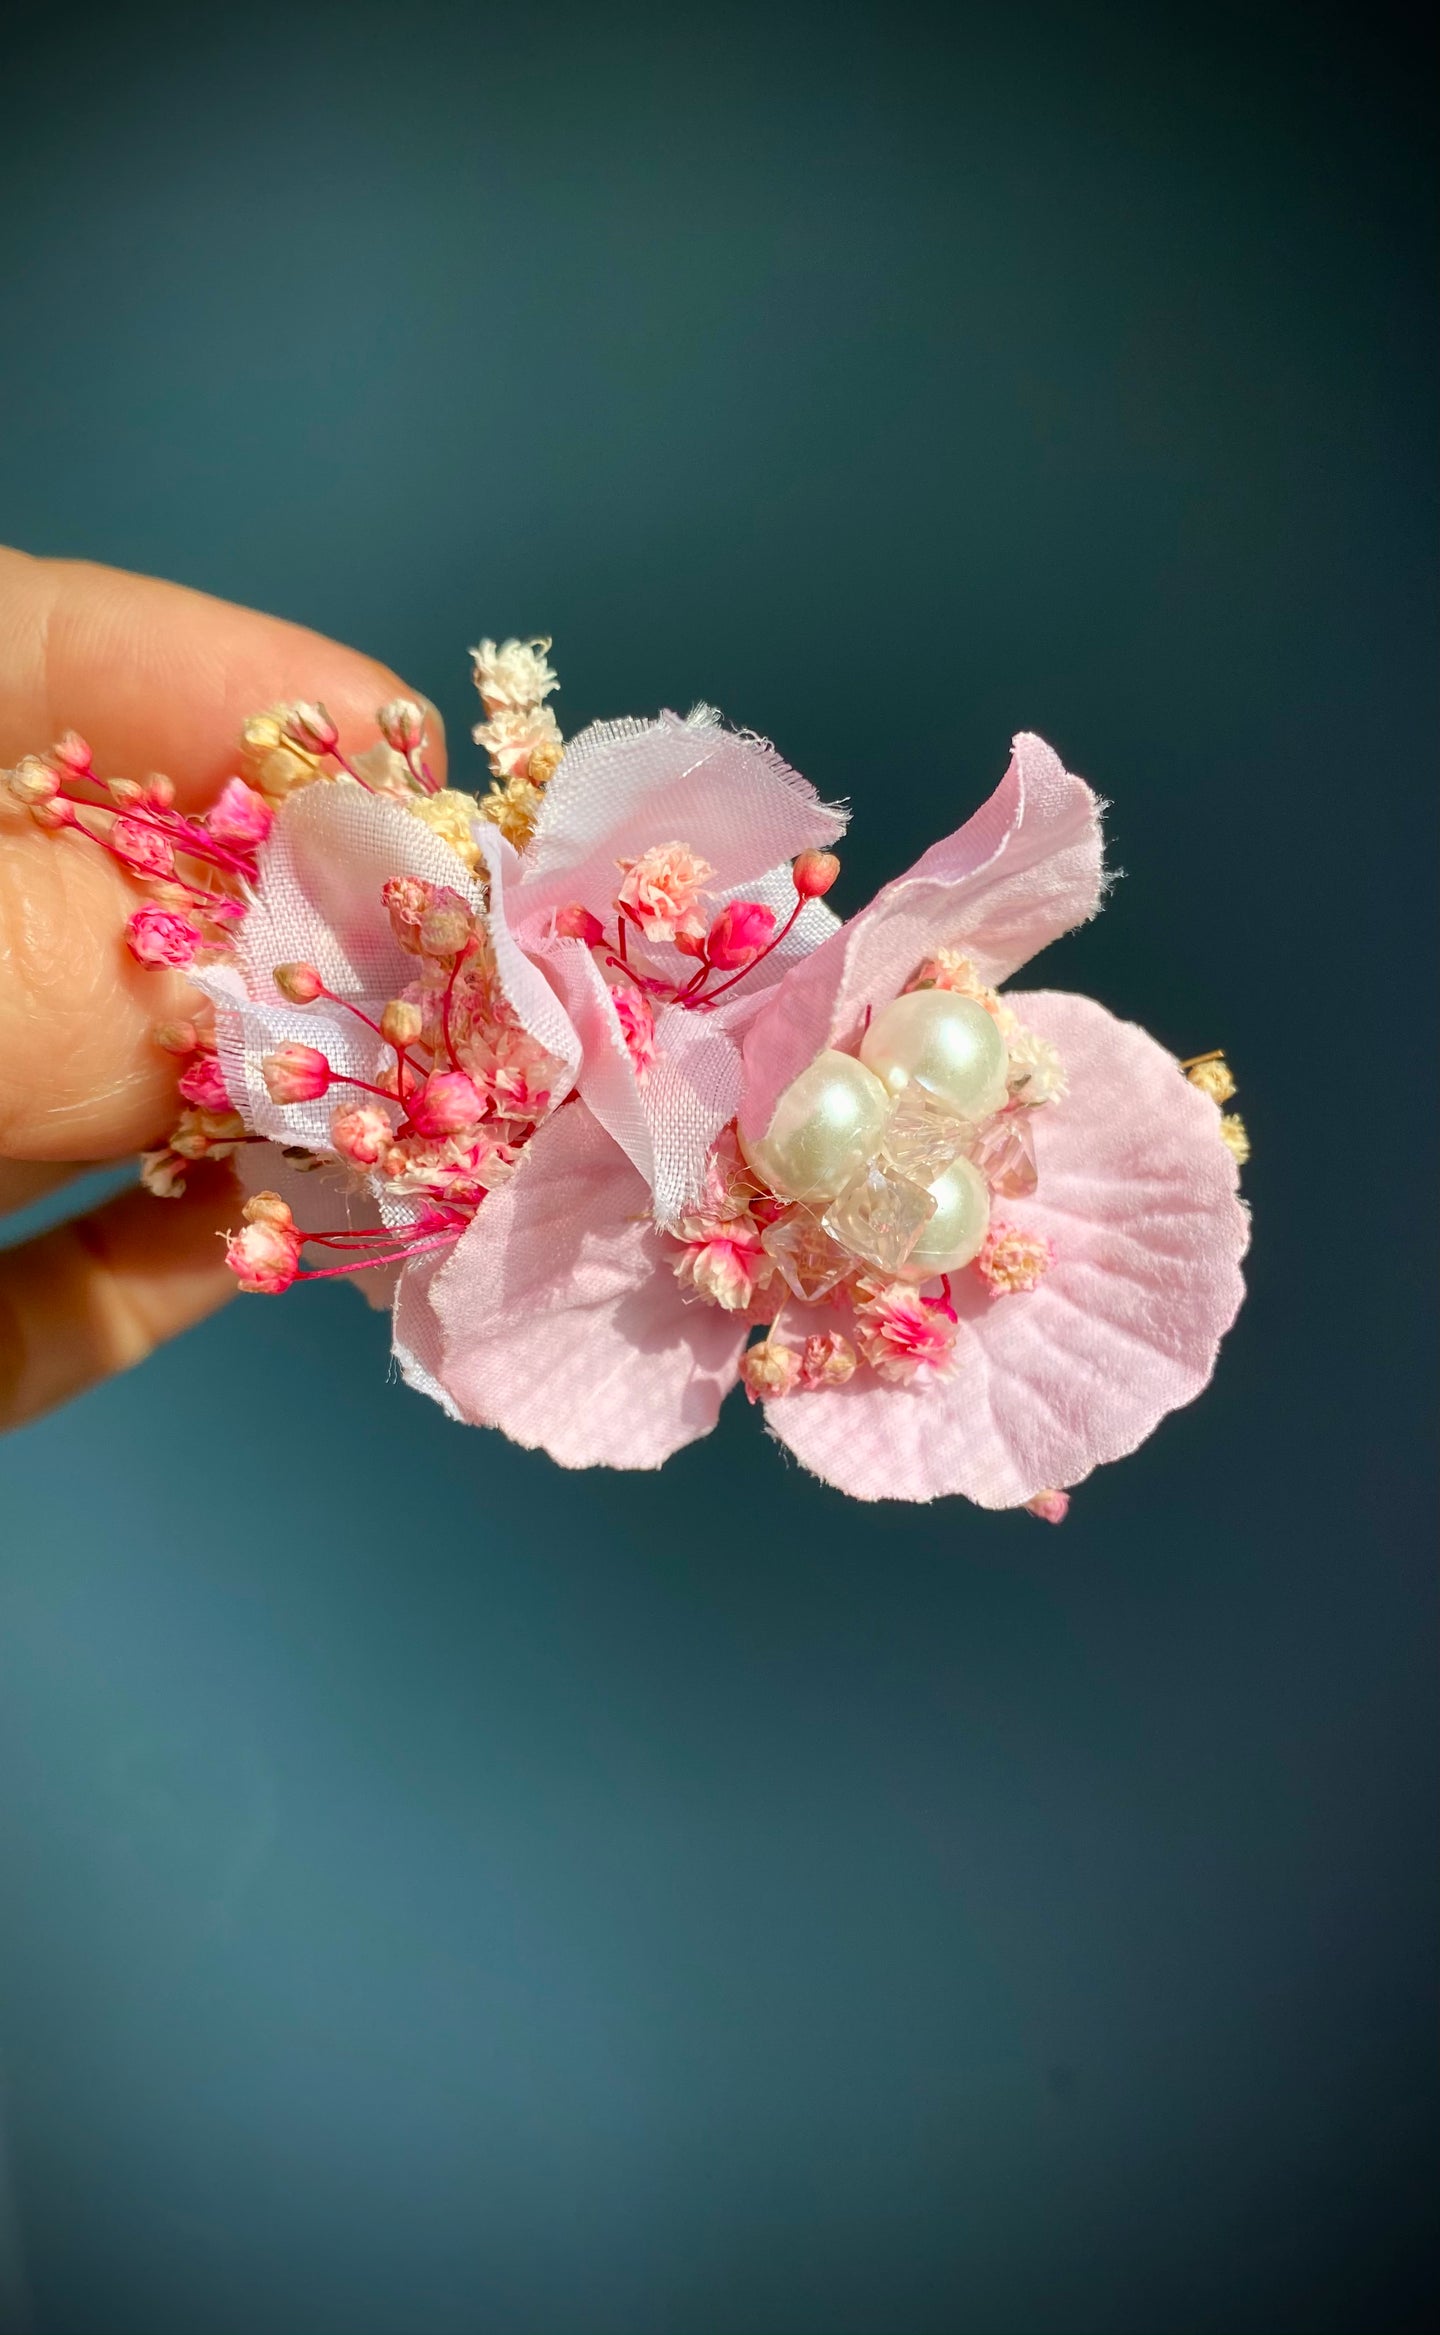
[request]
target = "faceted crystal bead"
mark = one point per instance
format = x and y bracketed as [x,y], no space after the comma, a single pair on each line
[809,1261]
[923,1137]
[1004,1152]
[880,1217]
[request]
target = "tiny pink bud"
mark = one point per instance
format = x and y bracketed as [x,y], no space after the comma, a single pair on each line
[143,851]
[72,754]
[401,724]
[264,1257]
[361,1133]
[54,815]
[295,1074]
[311,727]
[157,936]
[738,935]
[575,922]
[240,816]
[690,943]
[1050,1507]
[300,983]
[175,1037]
[32,781]
[402,1021]
[769,1370]
[125,791]
[814,872]
[203,1084]
[160,790]
[446,1102]
[268,1208]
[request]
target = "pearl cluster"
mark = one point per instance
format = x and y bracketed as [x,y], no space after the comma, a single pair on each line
[830,1124]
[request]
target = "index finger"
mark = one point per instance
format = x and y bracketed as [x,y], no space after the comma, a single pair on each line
[157,677]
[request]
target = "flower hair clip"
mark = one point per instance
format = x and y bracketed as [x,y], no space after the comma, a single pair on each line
[583,1081]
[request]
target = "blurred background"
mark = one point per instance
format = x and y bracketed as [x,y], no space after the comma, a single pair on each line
[447,1897]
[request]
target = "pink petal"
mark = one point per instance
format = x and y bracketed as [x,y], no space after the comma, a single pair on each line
[626,785]
[563,1323]
[1138,1193]
[1023,870]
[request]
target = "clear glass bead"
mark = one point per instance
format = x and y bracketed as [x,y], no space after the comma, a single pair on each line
[880,1217]
[923,1137]
[1004,1151]
[809,1261]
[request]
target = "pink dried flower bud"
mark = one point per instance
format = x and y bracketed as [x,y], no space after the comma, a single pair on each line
[401,724]
[158,936]
[264,1257]
[125,791]
[446,926]
[690,940]
[814,873]
[175,1037]
[144,852]
[32,781]
[295,1074]
[361,1133]
[575,922]
[300,983]
[159,790]
[406,899]
[446,1102]
[54,815]
[828,1360]
[402,1021]
[1050,1507]
[769,1370]
[240,816]
[72,754]
[1012,1261]
[204,1085]
[311,727]
[738,935]
[637,1028]
[268,1208]
[162,1173]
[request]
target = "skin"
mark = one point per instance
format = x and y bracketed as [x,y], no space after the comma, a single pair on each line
[156,678]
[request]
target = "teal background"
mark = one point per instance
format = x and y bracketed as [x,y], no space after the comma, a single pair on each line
[444,1896]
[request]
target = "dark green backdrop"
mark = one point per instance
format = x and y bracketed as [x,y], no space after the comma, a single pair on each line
[445,1897]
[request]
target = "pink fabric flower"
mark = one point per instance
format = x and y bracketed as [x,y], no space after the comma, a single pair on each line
[157,936]
[661,890]
[1002,1403]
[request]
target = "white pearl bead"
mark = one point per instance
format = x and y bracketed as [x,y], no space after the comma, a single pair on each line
[827,1126]
[959,1225]
[948,1044]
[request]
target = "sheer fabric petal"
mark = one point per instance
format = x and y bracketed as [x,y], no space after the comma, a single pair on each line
[1023,870]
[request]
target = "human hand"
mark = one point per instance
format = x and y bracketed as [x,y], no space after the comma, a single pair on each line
[156,678]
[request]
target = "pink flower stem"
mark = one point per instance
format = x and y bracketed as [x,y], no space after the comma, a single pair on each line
[443,1240]
[339,1078]
[448,1001]
[757,959]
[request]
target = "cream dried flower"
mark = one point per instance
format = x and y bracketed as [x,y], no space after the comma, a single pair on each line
[514,675]
[450,815]
[1214,1078]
